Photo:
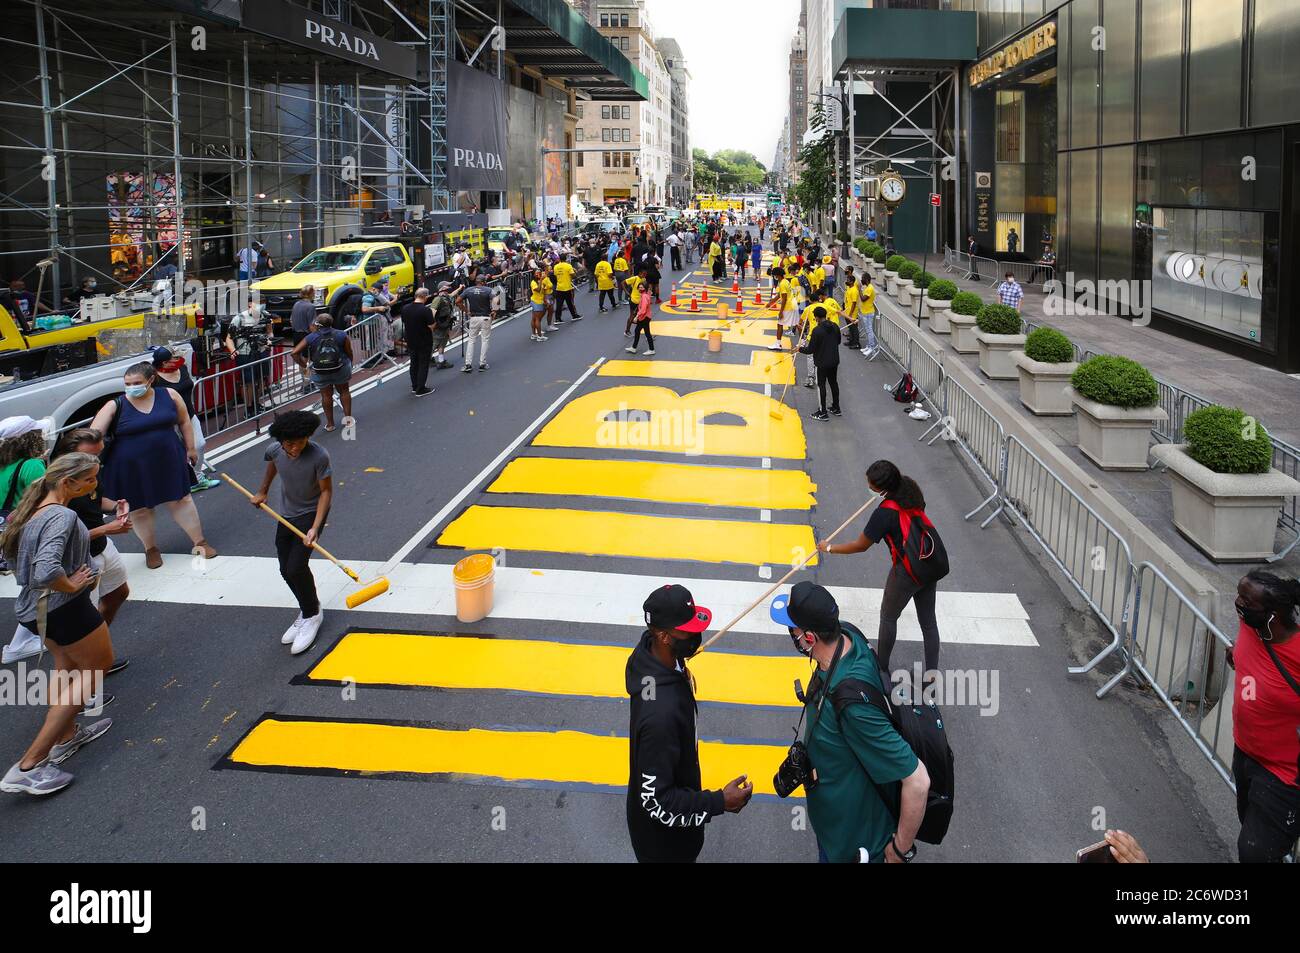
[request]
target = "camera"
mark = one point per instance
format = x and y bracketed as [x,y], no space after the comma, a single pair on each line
[796,769]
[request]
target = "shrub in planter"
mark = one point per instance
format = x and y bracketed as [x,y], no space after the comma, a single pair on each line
[1116,401]
[1222,439]
[842,237]
[908,270]
[966,303]
[879,256]
[924,280]
[998,319]
[1116,382]
[1048,346]
[861,245]
[942,290]
[869,249]
[894,262]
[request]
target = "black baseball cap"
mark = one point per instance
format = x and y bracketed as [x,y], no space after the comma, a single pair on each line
[161,355]
[673,607]
[808,606]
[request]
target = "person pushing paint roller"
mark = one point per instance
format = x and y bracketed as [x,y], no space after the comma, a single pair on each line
[666,809]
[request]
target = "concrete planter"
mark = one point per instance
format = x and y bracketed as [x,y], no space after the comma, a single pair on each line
[940,312]
[963,333]
[995,354]
[891,281]
[1231,517]
[921,304]
[1115,438]
[1045,388]
[906,287]
[877,271]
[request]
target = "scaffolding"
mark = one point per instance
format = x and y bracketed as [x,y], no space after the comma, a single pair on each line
[133,122]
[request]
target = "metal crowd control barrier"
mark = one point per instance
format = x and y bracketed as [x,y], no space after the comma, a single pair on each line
[979,435]
[1026,272]
[1093,556]
[984,269]
[1183,657]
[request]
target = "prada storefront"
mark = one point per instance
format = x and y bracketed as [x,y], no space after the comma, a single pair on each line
[1013,120]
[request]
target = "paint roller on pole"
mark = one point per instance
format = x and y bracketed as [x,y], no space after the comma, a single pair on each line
[782,581]
[367,591]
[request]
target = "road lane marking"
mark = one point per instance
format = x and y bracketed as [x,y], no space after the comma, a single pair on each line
[592,533]
[764,367]
[658,482]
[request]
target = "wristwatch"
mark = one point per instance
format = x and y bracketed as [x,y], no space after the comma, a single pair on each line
[908,857]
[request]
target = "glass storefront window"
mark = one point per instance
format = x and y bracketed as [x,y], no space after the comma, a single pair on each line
[1010,125]
[1207,267]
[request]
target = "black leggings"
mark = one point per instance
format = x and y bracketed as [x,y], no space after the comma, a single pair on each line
[899,589]
[1269,812]
[613,298]
[829,375]
[294,570]
[649,338]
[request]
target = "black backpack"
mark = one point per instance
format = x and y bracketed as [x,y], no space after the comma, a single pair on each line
[327,355]
[905,391]
[923,555]
[921,725]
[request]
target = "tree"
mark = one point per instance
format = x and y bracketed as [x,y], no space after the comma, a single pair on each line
[728,170]
[816,189]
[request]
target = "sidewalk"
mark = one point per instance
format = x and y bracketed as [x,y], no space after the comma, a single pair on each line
[1269,395]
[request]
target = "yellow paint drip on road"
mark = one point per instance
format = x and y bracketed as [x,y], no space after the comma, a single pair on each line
[564,757]
[588,533]
[659,419]
[658,482]
[547,668]
[764,367]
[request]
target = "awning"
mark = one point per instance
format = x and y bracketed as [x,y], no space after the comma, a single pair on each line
[886,40]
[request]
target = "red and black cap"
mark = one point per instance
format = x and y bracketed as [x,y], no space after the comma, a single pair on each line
[673,607]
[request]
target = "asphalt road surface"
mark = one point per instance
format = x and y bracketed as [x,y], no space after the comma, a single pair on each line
[404,734]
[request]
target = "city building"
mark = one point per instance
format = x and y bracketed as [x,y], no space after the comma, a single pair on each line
[798,72]
[639,135]
[1152,147]
[681,178]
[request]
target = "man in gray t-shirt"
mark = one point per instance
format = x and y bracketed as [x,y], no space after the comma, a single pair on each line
[306,491]
[303,313]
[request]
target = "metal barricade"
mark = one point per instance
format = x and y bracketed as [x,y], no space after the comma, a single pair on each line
[894,339]
[983,269]
[927,374]
[1182,655]
[978,433]
[1027,272]
[1093,556]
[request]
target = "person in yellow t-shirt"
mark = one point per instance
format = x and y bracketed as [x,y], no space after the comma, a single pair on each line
[605,284]
[620,276]
[808,321]
[537,287]
[715,261]
[817,277]
[851,301]
[633,301]
[548,290]
[564,291]
[867,307]
[783,304]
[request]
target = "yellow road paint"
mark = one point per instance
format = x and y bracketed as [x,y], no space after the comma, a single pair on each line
[683,309]
[764,367]
[658,482]
[753,334]
[659,419]
[587,533]
[558,757]
[546,668]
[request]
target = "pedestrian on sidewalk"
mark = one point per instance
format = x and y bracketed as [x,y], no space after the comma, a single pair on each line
[564,290]
[1010,293]
[49,549]
[666,808]
[480,301]
[327,351]
[306,492]
[417,332]
[823,347]
[148,464]
[1266,749]
[899,520]
[854,748]
[644,310]
[972,250]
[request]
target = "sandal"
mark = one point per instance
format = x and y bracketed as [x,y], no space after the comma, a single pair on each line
[153,558]
[201,548]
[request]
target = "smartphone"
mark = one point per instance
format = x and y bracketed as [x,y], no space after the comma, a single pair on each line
[1096,854]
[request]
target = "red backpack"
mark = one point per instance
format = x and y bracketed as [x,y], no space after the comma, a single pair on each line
[923,556]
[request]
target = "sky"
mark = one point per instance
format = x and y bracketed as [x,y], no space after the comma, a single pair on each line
[739,56]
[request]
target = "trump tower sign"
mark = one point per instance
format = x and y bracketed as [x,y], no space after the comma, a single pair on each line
[476,131]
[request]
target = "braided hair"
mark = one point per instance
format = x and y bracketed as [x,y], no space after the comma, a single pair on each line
[1281,596]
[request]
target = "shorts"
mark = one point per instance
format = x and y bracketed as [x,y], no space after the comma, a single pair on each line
[112,572]
[790,320]
[539,308]
[332,378]
[440,339]
[70,622]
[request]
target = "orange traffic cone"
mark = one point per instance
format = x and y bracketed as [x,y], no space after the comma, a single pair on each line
[735,286]
[673,300]
[704,295]
[758,297]
[695,305]
[740,306]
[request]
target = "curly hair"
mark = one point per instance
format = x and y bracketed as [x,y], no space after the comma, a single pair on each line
[27,447]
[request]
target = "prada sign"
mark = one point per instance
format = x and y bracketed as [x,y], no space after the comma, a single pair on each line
[1013,54]
[317,32]
[476,130]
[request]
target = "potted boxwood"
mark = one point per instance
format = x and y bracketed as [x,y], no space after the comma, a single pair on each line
[998,334]
[940,295]
[1226,492]
[878,258]
[906,273]
[961,320]
[892,264]
[1045,367]
[921,283]
[1117,403]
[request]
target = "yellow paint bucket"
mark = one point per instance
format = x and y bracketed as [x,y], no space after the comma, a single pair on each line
[715,341]
[474,577]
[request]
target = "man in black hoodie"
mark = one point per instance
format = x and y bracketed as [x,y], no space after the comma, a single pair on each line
[824,346]
[666,810]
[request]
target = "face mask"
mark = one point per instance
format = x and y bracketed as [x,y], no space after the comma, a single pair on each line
[1257,619]
[800,645]
[92,286]
[136,390]
[685,648]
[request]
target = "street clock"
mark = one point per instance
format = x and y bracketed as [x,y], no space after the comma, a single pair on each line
[892,188]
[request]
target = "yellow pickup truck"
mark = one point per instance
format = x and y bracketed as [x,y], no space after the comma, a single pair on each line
[14,338]
[361,263]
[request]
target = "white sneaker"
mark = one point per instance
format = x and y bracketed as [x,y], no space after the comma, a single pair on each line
[307,631]
[25,644]
[44,778]
[630,350]
[291,633]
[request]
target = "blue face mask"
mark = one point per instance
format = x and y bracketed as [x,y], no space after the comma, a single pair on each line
[137,390]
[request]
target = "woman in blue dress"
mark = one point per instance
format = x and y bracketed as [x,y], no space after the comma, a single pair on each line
[145,462]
